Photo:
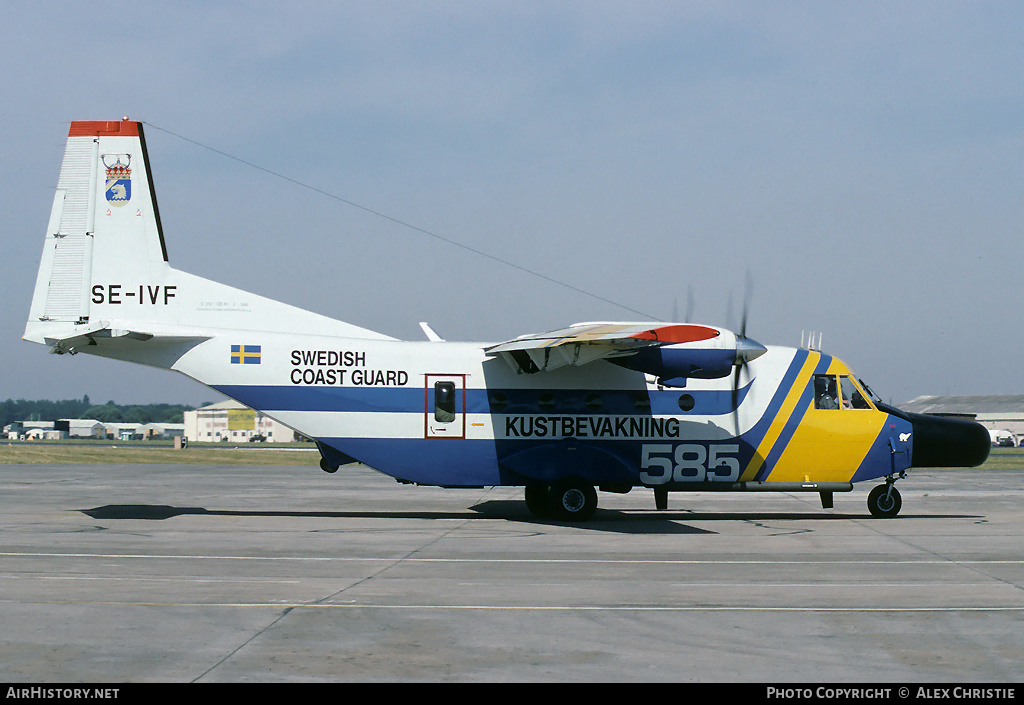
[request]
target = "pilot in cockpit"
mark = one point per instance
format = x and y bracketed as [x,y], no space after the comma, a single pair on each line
[825,396]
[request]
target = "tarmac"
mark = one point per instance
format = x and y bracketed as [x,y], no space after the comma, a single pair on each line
[173,573]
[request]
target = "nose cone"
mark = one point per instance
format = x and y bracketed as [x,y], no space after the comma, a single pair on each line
[748,349]
[943,442]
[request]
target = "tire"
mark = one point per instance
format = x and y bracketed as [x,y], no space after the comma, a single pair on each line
[327,468]
[884,503]
[537,501]
[573,500]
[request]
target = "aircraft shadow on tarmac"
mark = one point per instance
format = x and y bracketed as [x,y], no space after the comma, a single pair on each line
[611,520]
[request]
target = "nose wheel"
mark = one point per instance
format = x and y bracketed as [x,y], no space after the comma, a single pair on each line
[884,502]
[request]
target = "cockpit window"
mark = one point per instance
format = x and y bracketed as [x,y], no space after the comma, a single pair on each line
[844,395]
[852,396]
[825,394]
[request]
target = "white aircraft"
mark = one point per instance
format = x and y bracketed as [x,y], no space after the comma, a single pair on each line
[615,406]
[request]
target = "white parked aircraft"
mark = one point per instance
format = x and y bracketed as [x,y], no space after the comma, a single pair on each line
[614,406]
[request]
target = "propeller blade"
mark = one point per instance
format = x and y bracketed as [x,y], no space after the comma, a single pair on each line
[748,293]
[746,349]
[735,398]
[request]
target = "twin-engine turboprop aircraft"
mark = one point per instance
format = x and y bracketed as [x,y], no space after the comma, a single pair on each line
[613,406]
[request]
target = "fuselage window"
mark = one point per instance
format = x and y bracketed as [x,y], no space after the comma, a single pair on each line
[686,402]
[444,401]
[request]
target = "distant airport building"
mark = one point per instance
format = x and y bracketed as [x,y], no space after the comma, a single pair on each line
[29,429]
[124,431]
[232,422]
[83,428]
[155,430]
[1001,414]
[91,428]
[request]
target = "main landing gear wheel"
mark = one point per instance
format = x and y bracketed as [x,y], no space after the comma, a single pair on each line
[573,500]
[884,501]
[327,468]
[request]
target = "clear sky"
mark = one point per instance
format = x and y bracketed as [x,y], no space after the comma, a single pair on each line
[863,161]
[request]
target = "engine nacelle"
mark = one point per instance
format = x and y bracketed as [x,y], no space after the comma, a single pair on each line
[674,364]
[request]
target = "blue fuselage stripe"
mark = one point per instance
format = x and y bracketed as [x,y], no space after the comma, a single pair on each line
[804,402]
[618,402]
[752,438]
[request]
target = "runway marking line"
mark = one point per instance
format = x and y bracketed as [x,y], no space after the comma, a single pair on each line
[639,561]
[535,608]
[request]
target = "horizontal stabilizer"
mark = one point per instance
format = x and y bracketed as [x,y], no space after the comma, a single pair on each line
[73,339]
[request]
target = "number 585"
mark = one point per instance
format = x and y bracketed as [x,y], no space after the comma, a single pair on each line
[689,462]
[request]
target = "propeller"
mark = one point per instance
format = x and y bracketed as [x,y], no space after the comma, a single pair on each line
[689,307]
[746,350]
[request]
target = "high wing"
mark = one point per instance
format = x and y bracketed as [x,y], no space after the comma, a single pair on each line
[673,352]
[576,345]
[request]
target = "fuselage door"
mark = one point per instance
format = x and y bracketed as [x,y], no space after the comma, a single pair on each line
[445,406]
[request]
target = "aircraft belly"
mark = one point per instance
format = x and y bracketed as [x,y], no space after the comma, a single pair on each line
[427,461]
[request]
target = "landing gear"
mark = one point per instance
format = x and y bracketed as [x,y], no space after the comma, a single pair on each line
[660,498]
[537,500]
[327,467]
[884,501]
[571,499]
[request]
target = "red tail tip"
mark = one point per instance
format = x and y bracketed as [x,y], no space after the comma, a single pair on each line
[104,128]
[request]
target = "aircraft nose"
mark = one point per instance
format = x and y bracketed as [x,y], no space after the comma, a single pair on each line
[748,349]
[943,442]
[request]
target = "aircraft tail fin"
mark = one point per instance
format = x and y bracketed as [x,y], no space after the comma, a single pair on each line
[104,216]
[104,271]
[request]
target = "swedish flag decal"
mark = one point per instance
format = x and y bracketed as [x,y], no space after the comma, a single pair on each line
[245,354]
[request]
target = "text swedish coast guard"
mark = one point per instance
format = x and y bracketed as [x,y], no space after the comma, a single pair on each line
[337,367]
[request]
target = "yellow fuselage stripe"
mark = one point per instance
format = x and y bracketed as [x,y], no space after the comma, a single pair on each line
[781,418]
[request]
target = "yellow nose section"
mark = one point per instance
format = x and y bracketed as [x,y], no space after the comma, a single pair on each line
[809,444]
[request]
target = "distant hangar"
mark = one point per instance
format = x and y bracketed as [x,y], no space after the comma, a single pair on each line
[231,422]
[226,421]
[90,428]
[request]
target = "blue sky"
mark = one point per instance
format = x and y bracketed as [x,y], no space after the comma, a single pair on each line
[863,161]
